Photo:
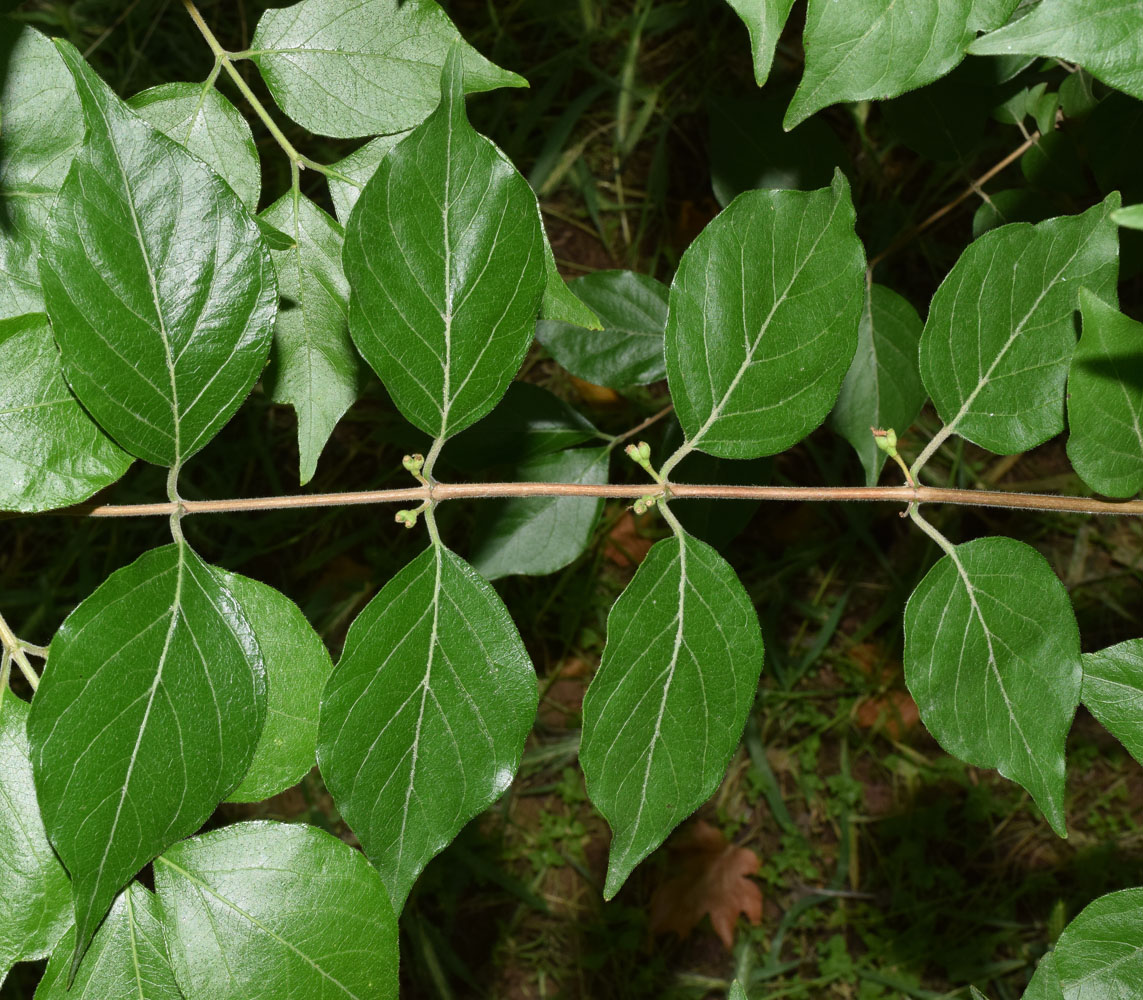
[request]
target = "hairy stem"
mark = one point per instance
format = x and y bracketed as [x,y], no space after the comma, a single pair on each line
[14,651]
[678,491]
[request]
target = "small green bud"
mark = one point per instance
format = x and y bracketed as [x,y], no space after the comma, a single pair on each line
[886,440]
[407,517]
[413,464]
[644,451]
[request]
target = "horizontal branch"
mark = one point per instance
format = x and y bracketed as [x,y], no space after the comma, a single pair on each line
[679,491]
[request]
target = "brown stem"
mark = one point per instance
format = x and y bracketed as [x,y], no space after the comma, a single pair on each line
[678,491]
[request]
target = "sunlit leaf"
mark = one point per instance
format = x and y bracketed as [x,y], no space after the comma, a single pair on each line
[1099,956]
[314,366]
[1113,692]
[51,453]
[883,387]
[147,716]
[272,910]
[1100,35]
[361,67]
[666,709]
[212,128]
[444,255]
[1105,400]
[764,19]
[992,658]
[127,960]
[424,717]
[763,320]
[538,535]
[1000,335]
[42,129]
[35,895]
[160,290]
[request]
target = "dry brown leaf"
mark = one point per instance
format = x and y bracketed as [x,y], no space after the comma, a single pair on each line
[895,712]
[711,878]
[625,546]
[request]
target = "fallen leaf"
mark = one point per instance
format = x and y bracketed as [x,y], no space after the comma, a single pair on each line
[711,878]
[625,546]
[895,712]
[596,395]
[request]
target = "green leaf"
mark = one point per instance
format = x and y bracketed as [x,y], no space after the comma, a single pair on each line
[1105,400]
[560,304]
[42,129]
[992,658]
[128,959]
[1100,35]
[51,453]
[146,718]
[275,910]
[764,20]
[976,994]
[1045,984]
[314,366]
[273,237]
[749,149]
[358,166]
[666,709]
[534,536]
[883,387]
[160,290]
[35,895]
[736,992]
[350,68]
[1130,217]
[527,423]
[297,667]
[995,351]
[763,320]
[424,718]
[201,119]
[881,48]
[444,255]
[629,349]
[1100,954]
[1113,692]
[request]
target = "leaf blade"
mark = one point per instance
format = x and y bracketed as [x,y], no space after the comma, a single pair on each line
[994,612]
[668,670]
[1113,692]
[764,19]
[400,796]
[160,341]
[108,788]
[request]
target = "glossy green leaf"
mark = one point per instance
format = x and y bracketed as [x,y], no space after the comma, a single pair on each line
[560,304]
[992,658]
[763,320]
[127,960]
[276,911]
[351,68]
[881,48]
[1105,400]
[533,536]
[666,709]
[206,123]
[883,387]
[764,19]
[527,423]
[42,129]
[147,716]
[160,290]
[1113,692]
[358,167]
[629,349]
[749,149]
[51,453]
[1100,35]
[424,718]
[35,895]
[996,347]
[297,667]
[1099,956]
[444,255]
[1045,984]
[273,237]
[314,366]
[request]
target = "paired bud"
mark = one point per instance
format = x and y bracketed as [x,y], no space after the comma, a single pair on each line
[886,440]
[413,464]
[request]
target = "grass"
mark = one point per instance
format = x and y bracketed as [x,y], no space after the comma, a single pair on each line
[888,869]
